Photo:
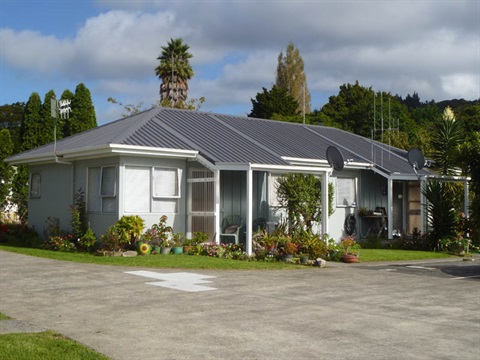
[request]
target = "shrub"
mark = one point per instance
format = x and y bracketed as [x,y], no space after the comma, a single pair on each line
[60,243]
[87,241]
[158,234]
[131,227]
[114,239]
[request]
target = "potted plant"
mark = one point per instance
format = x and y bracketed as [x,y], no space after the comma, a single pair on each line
[289,249]
[158,236]
[178,240]
[350,249]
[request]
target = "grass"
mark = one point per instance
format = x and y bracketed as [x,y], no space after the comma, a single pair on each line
[205,262]
[44,345]
[155,261]
[4,317]
[371,255]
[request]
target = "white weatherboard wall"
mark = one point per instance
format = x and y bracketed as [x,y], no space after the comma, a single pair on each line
[55,196]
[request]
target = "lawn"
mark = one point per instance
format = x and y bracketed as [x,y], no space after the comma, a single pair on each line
[44,345]
[205,262]
[372,255]
[155,261]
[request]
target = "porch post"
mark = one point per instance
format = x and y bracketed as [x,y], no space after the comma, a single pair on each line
[216,199]
[248,240]
[325,200]
[465,198]
[423,204]
[390,208]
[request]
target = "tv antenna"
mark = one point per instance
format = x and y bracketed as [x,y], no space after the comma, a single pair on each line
[59,109]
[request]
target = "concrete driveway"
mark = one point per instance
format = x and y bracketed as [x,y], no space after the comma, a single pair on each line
[346,311]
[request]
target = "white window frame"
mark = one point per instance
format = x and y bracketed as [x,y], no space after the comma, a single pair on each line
[155,199]
[34,183]
[351,186]
[177,181]
[101,194]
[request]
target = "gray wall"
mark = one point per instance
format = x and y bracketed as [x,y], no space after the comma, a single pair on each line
[56,196]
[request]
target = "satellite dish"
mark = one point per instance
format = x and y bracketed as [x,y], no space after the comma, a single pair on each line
[416,159]
[335,158]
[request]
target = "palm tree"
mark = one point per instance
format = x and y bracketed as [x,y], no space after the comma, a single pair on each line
[174,71]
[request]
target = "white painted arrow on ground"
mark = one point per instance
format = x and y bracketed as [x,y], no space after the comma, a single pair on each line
[179,281]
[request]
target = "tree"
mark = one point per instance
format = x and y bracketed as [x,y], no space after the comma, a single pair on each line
[291,77]
[272,103]
[469,159]
[32,125]
[48,121]
[174,70]
[440,212]
[301,195]
[82,115]
[6,171]
[11,117]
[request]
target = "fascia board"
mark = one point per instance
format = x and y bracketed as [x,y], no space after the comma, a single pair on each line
[105,150]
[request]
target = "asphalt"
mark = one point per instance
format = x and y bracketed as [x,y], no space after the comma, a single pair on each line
[406,310]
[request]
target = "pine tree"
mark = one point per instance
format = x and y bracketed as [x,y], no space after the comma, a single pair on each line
[82,115]
[31,127]
[48,121]
[291,76]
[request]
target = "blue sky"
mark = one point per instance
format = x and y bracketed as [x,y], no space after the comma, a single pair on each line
[405,46]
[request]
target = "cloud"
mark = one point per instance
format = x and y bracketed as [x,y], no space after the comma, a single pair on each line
[429,47]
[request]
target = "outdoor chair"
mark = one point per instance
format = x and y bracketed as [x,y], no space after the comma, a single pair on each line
[231,226]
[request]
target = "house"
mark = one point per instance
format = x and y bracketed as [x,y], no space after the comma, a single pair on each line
[198,168]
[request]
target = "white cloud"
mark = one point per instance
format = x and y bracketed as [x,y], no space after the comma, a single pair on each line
[429,47]
[461,86]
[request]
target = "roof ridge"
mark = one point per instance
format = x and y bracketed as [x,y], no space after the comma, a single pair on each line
[138,121]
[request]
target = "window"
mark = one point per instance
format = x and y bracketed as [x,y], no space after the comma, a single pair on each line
[35,180]
[151,189]
[346,192]
[165,183]
[102,184]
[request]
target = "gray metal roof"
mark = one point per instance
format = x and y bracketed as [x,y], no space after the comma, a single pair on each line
[226,139]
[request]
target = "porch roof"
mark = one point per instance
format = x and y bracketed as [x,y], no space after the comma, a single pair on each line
[224,140]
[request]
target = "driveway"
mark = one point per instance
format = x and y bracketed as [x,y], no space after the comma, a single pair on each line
[345,311]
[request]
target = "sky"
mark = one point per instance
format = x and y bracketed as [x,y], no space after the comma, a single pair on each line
[431,47]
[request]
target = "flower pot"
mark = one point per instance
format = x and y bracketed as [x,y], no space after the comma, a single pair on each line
[287,257]
[177,250]
[350,258]
[187,249]
[158,249]
[304,260]
[166,250]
